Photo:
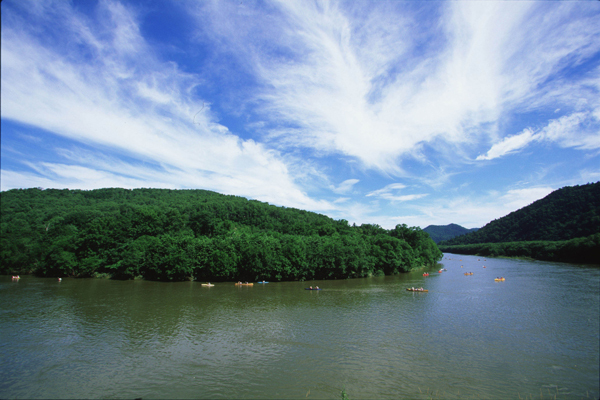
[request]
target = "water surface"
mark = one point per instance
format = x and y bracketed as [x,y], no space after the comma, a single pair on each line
[469,336]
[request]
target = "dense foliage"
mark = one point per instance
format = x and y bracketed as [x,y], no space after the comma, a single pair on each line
[445,232]
[567,213]
[581,250]
[162,234]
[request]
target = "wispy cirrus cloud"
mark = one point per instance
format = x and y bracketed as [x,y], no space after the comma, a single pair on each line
[510,144]
[369,111]
[113,92]
[371,84]
[578,130]
[387,189]
[345,186]
[390,192]
[469,211]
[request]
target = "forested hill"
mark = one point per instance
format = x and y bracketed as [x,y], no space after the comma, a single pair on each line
[163,234]
[444,232]
[567,213]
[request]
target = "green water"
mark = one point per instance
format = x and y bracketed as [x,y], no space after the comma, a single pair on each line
[536,334]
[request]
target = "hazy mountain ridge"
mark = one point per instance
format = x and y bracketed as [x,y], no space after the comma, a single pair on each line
[446,232]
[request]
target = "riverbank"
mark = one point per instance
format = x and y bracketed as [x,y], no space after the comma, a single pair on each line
[581,250]
[107,276]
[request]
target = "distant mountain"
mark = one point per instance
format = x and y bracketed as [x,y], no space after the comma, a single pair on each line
[567,213]
[446,232]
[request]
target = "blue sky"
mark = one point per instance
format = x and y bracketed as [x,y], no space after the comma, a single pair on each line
[374,112]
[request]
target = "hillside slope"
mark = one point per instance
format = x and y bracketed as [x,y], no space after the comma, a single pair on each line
[171,235]
[445,232]
[567,213]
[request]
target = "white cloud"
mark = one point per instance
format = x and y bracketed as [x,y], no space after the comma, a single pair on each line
[578,130]
[384,86]
[408,197]
[345,186]
[588,176]
[387,189]
[515,199]
[468,211]
[389,193]
[122,98]
[341,200]
[510,144]
[367,82]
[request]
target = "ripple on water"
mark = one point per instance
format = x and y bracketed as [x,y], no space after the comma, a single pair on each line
[371,336]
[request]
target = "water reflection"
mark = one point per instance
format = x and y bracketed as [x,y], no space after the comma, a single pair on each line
[467,335]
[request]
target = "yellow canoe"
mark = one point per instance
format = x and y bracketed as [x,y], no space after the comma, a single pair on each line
[499,279]
[244,284]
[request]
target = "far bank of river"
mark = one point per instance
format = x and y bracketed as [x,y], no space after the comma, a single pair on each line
[534,334]
[578,250]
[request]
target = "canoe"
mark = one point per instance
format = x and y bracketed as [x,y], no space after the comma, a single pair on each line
[499,279]
[312,288]
[416,290]
[468,273]
[425,274]
[244,284]
[262,282]
[207,284]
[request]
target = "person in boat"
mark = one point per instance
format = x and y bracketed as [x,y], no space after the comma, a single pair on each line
[310,287]
[317,288]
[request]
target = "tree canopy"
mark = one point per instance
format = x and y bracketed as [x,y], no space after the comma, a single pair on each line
[173,235]
[567,213]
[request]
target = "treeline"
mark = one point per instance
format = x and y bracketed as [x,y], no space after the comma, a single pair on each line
[580,250]
[565,214]
[173,235]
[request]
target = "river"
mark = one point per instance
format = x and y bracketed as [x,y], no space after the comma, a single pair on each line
[535,334]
